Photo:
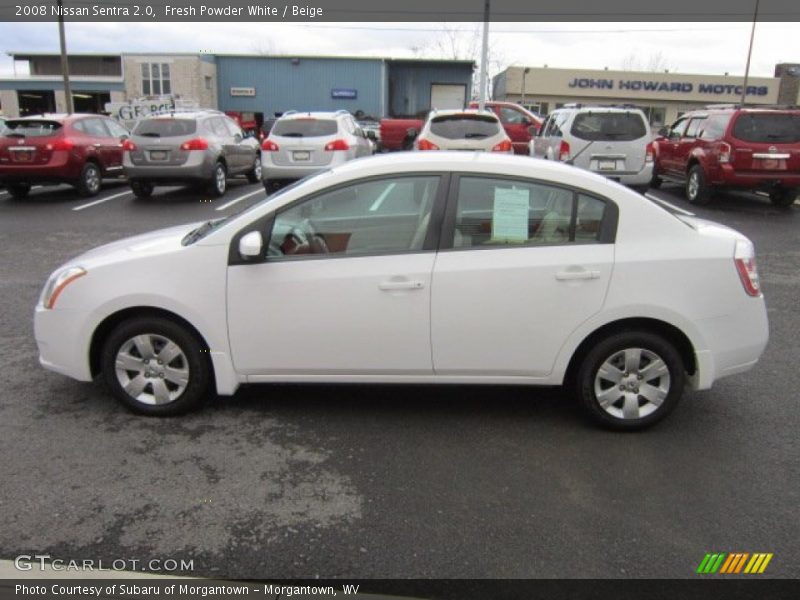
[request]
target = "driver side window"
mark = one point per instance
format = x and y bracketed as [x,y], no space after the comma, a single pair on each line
[368,217]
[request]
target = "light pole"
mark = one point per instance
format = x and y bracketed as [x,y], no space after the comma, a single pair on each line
[524,73]
[64,66]
[484,57]
[749,52]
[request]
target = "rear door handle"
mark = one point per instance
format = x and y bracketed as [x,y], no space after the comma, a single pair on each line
[402,284]
[573,275]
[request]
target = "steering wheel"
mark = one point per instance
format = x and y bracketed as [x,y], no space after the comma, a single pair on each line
[303,239]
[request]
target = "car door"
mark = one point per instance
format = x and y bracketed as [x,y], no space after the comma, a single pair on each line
[688,142]
[517,126]
[242,149]
[344,287]
[668,147]
[105,147]
[529,263]
[119,134]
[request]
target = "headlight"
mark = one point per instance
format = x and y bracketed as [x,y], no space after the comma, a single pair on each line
[57,282]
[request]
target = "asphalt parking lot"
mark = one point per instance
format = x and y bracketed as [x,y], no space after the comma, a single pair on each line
[388,481]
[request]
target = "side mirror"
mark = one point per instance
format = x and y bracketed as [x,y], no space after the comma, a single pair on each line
[237,138]
[533,130]
[663,132]
[412,133]
[371,135]
[251,245]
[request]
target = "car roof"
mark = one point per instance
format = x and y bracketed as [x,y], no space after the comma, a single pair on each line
[462,111]
[62,117]
[185,114]
[331,114]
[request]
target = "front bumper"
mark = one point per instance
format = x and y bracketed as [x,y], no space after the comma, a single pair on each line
[63,347]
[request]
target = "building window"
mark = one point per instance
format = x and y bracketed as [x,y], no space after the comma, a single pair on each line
[208,82]
[156,79]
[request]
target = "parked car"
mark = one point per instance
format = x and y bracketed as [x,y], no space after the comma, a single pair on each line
[447,269]
[302,144]
[732,148]
[204,147]
[373,131]
[520,124]
[399,133]
[468,129]
[615,142]
[78,149]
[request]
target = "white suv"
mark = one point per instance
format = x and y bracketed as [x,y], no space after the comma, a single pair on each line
[301,144]
[612,141]
[469,129]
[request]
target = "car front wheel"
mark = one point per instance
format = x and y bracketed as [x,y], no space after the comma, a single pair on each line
[697,189]
[631,380]
[219,183]
[783,197]
[19,190]
[154,366]
[90,180]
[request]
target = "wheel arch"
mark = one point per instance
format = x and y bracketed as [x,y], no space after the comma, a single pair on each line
[666,330]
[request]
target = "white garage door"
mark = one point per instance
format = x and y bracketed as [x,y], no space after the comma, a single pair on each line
[444,96]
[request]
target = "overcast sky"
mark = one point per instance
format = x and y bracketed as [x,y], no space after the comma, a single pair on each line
[709,48]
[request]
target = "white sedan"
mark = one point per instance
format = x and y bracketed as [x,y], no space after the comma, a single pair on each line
[426,268]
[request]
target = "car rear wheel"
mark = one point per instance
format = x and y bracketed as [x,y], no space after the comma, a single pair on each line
[90,180]
[142,189]
[271,186]
[783,197]
[219,184]
[19,190]
[154,366]
[697,189]
[254,175]
[630,380]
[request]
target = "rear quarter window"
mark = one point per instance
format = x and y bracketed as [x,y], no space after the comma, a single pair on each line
[780,128]
[459,127]
[714,127]
[609,127]
[304,128]
[32,128]
[165,127]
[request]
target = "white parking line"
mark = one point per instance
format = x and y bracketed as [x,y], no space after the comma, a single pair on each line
[240,198]
[96,202]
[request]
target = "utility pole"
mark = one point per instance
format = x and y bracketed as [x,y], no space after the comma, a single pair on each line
[484,56]
[64,65]
[524,73]
[749,52]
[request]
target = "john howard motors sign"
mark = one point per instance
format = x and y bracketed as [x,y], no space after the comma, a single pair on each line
[671,87]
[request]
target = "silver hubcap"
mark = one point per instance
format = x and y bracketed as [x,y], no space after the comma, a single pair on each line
[694,185]
[92,179]
[257,168]
[632,383]
[220,179]
[152,369]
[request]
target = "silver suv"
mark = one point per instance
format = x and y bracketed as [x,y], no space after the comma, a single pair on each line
[612,141]
[189,147]
[466,129]
[301,144]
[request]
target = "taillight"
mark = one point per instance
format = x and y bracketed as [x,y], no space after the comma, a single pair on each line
[424,144]
[269,146]
[128,146]
[745,259]
[563,151]
[504,146]
[724,152]
[648,153]
[195,144]
[61,144]
[337,145]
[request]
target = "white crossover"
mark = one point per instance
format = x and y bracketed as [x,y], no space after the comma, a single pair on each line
[446,267]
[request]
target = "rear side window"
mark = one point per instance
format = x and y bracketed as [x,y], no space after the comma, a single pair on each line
[781,128]
[460,127]
[165,127]
[32,128]
[714,127]
[609,127]
[303,128]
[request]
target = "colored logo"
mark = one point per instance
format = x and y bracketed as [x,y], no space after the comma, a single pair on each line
[735,562]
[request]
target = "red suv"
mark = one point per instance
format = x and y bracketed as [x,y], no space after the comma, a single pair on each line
[734,148]
[77,149]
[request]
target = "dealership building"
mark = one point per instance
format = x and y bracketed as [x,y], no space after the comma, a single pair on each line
[375,87]
[663,96]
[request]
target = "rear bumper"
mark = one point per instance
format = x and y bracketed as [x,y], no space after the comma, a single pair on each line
[196,168]
[642,177]
[62,172]
[727,176]
[270,170]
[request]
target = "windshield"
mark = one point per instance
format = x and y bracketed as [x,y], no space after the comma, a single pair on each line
[609,126]
[30,128]
[781,128]
[460,127]
[165,127]
[304,128]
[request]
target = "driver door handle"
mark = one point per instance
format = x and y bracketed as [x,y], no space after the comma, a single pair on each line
[400,284]
[572,275]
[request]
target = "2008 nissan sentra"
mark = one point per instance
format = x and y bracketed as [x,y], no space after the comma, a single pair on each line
[425,268]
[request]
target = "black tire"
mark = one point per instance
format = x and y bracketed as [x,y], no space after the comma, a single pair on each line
[640,189]
[655,180]
[271,186]
[701,193]
[142,189]
[19,191]
[219,182]
[783,197]
[254,174]
[643,413]
[194,359]
[90,180]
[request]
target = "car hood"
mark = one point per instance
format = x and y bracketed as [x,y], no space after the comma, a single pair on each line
[154,242]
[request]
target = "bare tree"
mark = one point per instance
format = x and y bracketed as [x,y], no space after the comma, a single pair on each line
[656,61]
